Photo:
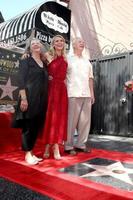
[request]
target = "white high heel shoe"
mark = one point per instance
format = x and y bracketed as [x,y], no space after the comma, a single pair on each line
[57,155]
[47,153]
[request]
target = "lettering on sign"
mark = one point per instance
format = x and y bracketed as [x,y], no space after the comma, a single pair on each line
[54,22]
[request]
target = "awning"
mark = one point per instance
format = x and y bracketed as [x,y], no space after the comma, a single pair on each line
[44,21]
[18,25]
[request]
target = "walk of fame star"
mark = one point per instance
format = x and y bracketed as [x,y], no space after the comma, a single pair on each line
[116,170]
[8,89]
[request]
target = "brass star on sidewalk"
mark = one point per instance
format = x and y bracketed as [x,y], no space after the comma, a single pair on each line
[7,89]
[116,170]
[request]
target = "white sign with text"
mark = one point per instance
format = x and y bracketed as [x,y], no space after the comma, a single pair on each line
[54,22]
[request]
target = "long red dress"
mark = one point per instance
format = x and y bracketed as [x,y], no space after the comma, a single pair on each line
[55,129]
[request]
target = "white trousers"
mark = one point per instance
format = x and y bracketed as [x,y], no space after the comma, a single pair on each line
[79,118]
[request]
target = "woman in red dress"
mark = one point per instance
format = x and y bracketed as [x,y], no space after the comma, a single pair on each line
[55,129]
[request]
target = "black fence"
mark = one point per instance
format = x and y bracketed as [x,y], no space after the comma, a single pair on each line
[112,113]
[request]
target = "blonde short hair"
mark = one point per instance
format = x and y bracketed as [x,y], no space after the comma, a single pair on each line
[74,40]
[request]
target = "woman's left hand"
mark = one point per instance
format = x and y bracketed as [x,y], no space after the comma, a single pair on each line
[24,105]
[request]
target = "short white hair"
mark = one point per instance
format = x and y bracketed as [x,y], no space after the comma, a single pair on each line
[74,40]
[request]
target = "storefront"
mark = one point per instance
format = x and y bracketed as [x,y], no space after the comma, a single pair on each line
[42,21]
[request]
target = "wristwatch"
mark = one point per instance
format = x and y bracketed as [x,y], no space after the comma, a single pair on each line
[23,98]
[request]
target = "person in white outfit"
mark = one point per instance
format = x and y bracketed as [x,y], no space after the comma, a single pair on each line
[81,97]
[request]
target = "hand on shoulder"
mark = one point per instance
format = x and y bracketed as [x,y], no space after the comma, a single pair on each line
[25,55]
[48,57]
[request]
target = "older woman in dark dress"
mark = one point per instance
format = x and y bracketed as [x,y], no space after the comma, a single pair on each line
[32,104]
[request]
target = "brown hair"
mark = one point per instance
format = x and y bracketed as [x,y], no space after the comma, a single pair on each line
[27,51]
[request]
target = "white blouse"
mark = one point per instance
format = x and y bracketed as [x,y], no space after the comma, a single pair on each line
[78,74]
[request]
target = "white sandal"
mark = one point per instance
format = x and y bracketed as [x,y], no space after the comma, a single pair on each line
[56,152]
[31,161]
[37,158]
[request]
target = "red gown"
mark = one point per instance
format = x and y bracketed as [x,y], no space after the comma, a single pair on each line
[55,128]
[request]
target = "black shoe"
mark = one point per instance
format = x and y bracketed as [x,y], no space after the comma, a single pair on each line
[71,152]
[85,150]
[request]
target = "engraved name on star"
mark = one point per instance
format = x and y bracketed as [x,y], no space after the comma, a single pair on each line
[7,89]
[116,170]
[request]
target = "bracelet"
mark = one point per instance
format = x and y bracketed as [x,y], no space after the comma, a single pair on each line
[23,98]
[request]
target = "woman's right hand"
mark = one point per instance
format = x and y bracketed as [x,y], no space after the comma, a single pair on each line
[24,105]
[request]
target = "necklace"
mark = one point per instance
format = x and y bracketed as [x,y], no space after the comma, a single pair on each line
[38,61]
